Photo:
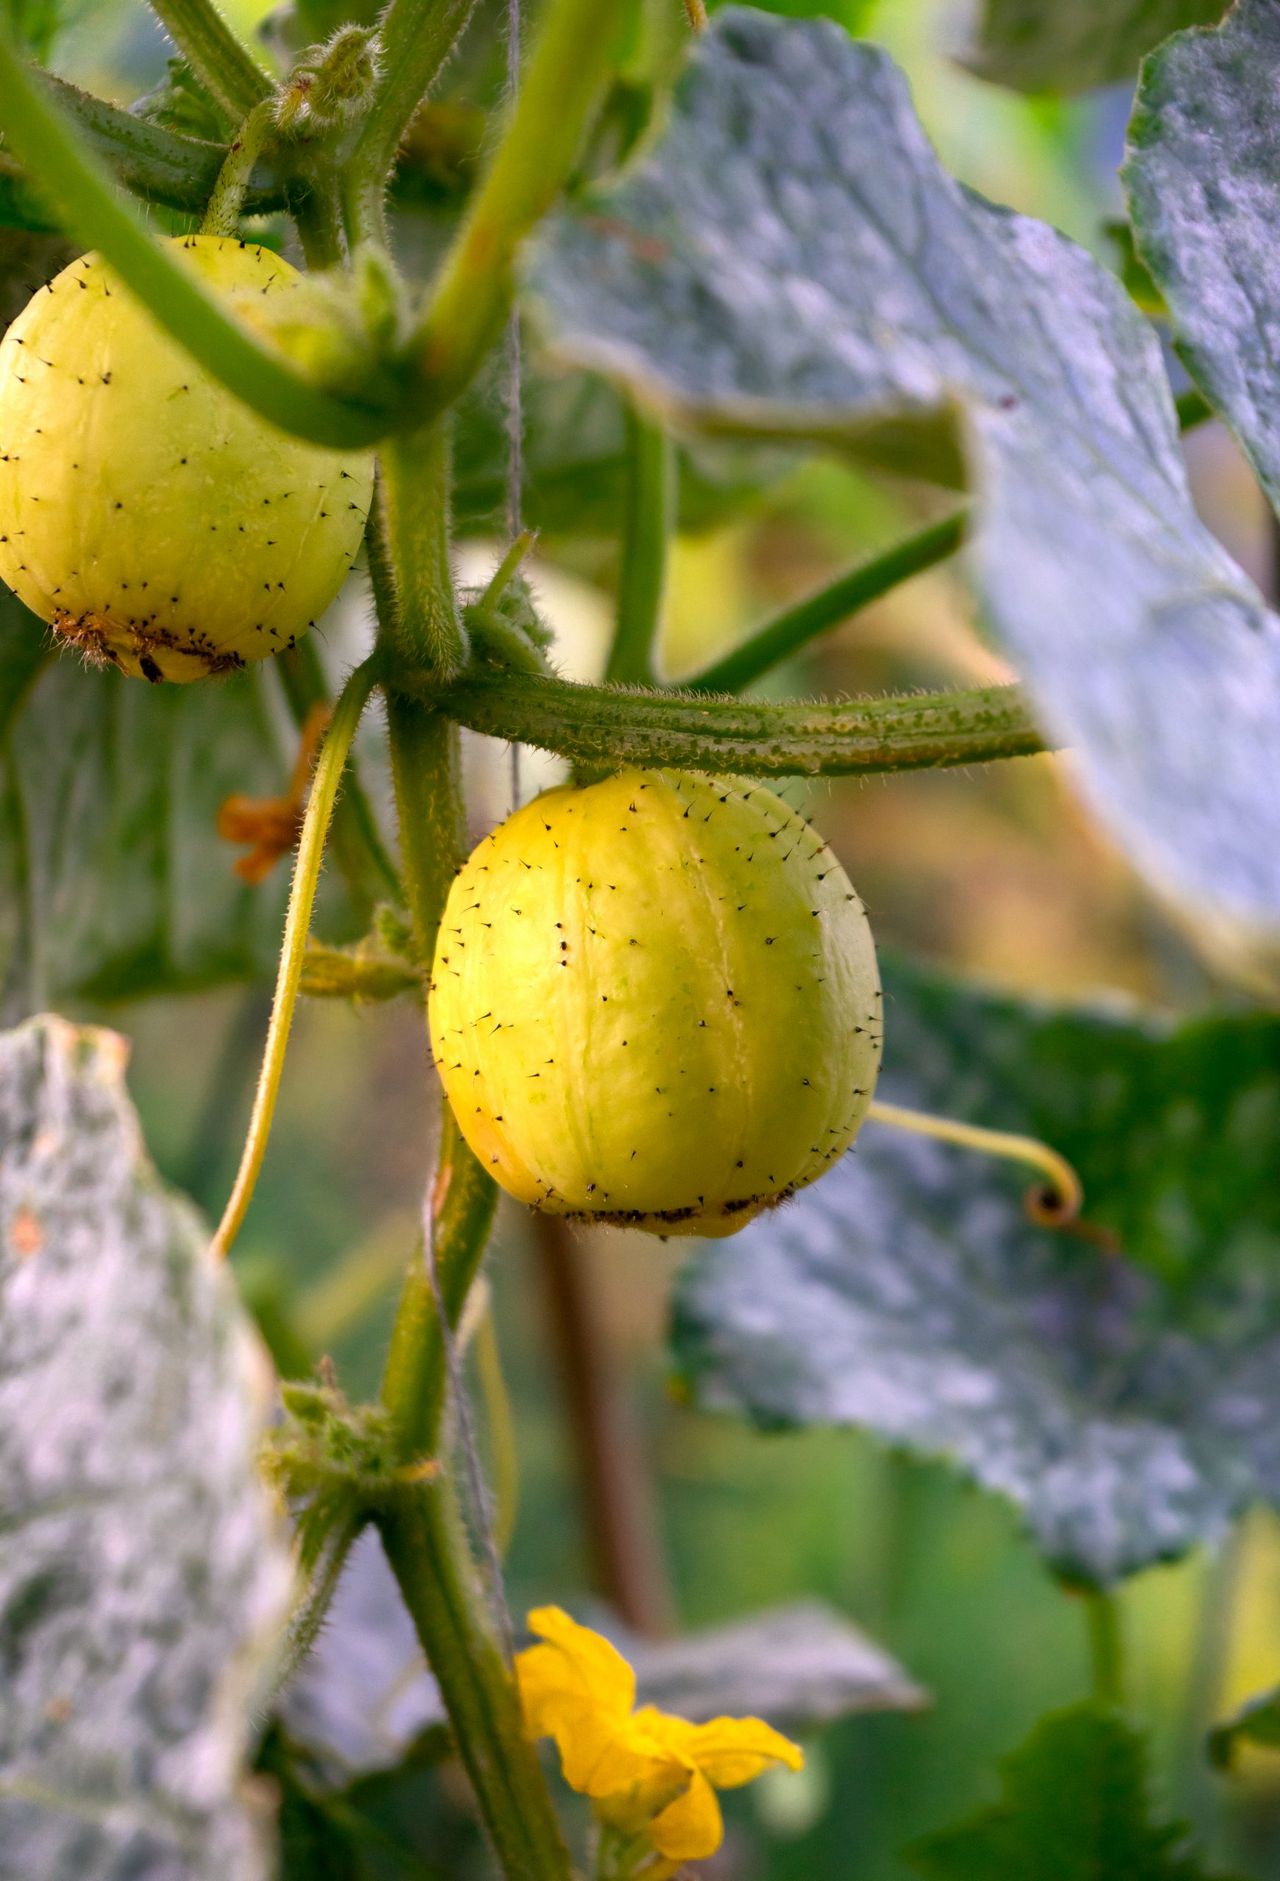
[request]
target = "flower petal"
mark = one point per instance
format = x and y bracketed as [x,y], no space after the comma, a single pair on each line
[691,1827]
[728,1751]
[578,1689]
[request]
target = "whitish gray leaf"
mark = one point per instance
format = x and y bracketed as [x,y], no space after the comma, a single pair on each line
[143,1575]
[792,260]
[1122,1387]
[1203,176]
[1046,45]
[800,1667]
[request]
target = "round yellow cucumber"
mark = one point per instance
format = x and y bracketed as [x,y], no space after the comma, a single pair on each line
[655,1002]
[148,516]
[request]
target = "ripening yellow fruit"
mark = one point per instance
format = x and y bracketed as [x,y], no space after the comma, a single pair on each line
[153,520]
[655,1002]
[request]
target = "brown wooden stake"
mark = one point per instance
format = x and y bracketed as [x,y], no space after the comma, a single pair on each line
[618,1505]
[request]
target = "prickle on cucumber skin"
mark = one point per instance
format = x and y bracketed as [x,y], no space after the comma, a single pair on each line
[155,522]
[655,1002]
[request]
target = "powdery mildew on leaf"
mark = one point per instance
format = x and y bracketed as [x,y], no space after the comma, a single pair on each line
[143,1574]
[1203,176]
[794,261]
[1124,1396]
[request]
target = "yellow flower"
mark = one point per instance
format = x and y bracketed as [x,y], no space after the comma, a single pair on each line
[645,1771]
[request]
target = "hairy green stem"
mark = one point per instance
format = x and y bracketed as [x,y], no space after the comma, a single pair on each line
[226,202]
[226,68]
[796,626]
[414,43]
[463,1206]
[422,1531]
[612,726]
[418,613]
[306,876]
[161,165]
[318,215]
[559,92]
[1106,1644]
[647,524]
[94,213]
[426,1544]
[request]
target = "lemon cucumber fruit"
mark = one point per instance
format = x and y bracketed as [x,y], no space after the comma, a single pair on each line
[148,516]
[655,1002]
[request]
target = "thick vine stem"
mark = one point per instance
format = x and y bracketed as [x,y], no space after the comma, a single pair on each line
[463,1205]
[422,1531]
[414,43]
[418,611]
[426,1544]
[226,67]
[612,726]
[92,211]
[560,89]
[159,164]
[306,876]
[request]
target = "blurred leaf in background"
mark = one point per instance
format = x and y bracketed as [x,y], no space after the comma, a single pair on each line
[1043,45]
[1075,1808]
[1120,1384]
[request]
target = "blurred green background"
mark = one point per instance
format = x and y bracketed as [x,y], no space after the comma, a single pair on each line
[998,873]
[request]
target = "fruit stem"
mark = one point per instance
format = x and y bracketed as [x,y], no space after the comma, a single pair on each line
[647,524]
[226,68]
[1057,1208]
[783,636]
[414,44]
[92,211]
[609,726]
[306,875]
[222,215]
[560,90]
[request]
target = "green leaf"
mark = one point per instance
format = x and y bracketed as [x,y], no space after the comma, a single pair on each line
[364,1699]
[1074,1807]
[113,879]
[1121,1386]
[793,262]
[155,162]
[1256,1722]
[1203,176]
[144,1575]
[1044,45]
